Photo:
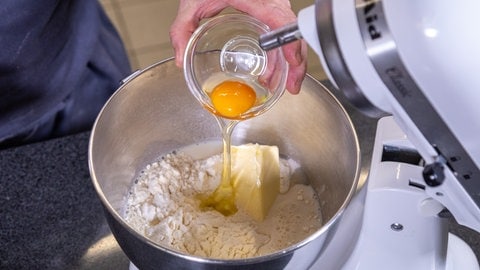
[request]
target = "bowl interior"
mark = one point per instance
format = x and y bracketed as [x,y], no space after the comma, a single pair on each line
[154,113]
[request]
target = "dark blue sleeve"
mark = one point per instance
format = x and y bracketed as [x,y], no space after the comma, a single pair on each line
[36,41]
[45,48]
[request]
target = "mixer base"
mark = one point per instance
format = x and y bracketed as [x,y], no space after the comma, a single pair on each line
[401,227]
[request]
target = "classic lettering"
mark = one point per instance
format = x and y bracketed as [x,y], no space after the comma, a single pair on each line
[397,78]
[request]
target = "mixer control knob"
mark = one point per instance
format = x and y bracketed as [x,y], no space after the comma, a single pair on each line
[433,174]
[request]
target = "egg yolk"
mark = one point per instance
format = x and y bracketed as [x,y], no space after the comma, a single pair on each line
[232,98]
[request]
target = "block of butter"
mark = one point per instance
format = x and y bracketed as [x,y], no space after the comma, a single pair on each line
[255,177]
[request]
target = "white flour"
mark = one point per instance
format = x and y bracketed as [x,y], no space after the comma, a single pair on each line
[163,206]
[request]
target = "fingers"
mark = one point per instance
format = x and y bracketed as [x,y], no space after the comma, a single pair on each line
[179,39]
[296,56]
[189,15]
[181,29]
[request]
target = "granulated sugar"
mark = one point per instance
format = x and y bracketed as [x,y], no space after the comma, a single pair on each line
[163,205]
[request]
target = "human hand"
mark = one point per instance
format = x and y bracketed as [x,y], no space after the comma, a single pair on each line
[274,13]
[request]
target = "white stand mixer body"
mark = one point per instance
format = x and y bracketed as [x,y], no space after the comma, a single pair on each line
[377,52]
[413,58]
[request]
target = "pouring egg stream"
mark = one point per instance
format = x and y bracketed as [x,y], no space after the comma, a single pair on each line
[230,99]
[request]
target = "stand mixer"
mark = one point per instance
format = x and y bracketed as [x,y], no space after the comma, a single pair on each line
[411,63]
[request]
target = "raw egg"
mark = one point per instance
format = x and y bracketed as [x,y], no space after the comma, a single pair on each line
[232,98]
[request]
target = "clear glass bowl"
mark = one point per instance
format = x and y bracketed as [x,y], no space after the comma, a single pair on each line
[225,48]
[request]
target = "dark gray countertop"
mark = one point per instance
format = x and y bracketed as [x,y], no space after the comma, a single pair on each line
[51,217]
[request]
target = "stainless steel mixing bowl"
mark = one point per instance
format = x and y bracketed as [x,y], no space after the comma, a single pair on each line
[154,113]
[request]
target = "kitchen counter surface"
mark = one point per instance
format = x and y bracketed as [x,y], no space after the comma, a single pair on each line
[51,218]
